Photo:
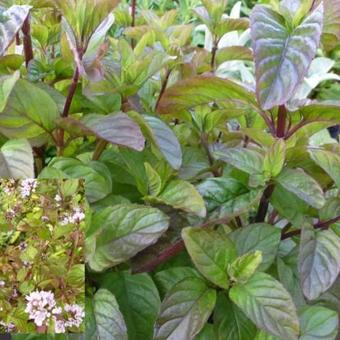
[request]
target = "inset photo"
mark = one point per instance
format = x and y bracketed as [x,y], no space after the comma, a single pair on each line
[42,274]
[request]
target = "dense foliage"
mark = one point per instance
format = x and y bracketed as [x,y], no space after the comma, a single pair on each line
[200,129]
[41,256]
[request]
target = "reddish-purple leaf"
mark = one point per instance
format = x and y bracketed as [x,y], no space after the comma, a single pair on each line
[282,58]
[201,90]
[116,129]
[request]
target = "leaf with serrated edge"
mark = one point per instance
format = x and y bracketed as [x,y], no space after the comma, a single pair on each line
[303,186]
[259,236]
[282,58]
[185,310]
[328,161]
[105,318]
[6,85]
[319,261]
[166,140]
[249,161]
[121,231]
[201,90]
[266,302]
[138,300]
[16,159]
[181,195]
[116,129]
[318,323]
[14,18]
[211,251]
[30,112]
[230,323]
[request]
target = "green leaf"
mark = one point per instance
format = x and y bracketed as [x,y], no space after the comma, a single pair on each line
[326,111]
[166,140]
[249,161]
[266,302]
[211,251]
[207,333]
[233,53]
[201,90]
[262,335]
[16,159]
[167,278]
[138,300]
[181,195]
[6,85]
[303,186]
[318,323]
[30,112]
[12,21]
[154,180]
[117,129]
[289,277]
[319,261]
[185,310]
[328,161]
[227,196]
[230,322]
[121,231]
[282,55]
[76,276]
[103,318]
[274,159]
[229,25]
[98,183]
[289,205]
[241,269]
[85,16]
[331,27]
[259,236]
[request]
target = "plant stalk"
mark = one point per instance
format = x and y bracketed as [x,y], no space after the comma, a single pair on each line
[264,203]
[281,122]
[66,110]
[133,18]
[320,225]
[205,144]
[100,147]
[27,41]
[213,56]
[163,88]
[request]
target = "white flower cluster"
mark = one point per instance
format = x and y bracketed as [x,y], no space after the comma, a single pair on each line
[27,187]
[76,216]
[76,315]
[41,308]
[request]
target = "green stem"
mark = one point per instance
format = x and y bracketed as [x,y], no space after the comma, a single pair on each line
[100,147]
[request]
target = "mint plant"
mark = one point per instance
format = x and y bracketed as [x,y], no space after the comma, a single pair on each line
[201,136]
